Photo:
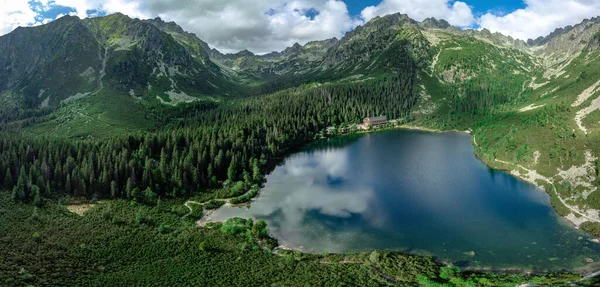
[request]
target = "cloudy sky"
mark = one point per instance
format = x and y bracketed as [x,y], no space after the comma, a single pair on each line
[271,25]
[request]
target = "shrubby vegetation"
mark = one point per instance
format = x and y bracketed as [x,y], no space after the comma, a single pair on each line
[592,228]
[214,204]
[117,243]
[450,276]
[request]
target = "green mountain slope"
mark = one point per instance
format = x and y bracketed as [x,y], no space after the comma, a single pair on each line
[77,58]
[103,74]
[533,106]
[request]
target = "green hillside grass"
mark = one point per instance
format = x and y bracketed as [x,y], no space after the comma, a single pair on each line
[101,115]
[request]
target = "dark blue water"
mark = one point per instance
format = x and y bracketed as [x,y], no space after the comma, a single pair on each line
[418,192]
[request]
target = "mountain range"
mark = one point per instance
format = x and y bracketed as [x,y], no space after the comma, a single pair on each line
[158,61]
[532,106]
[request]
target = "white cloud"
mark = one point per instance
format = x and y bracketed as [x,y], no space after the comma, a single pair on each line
[229,25]
[540,17]
[128,7]
[259,25]
[15,13]
[456,13]
[266,25]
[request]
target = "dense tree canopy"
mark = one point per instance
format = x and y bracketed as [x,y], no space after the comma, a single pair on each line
[234,142]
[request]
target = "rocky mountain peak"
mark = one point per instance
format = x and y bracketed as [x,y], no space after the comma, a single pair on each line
[432,23]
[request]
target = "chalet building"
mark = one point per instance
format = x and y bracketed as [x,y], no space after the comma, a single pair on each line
[375,121]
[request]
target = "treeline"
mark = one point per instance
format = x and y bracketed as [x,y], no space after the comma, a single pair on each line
[235,143]
[26,116]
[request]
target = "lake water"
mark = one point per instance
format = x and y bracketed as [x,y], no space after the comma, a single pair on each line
[418,192]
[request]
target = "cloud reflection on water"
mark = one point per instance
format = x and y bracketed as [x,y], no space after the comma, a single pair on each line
[308,189]
[409,191]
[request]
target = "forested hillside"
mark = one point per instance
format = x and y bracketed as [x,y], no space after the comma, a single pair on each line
[236,143]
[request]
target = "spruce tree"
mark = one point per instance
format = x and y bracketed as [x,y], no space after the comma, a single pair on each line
[8,181]
[19,189]
[232,171]
[68,185]
[37,198]
[256,175]
[114,192]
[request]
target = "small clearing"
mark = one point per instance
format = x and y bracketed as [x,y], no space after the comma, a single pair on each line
[80,209]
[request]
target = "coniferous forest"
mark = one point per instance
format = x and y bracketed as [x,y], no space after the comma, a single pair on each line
[236,142]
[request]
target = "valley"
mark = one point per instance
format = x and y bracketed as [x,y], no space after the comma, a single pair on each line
[149,119]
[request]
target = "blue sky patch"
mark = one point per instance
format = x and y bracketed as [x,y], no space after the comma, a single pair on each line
[52,12]
[479,7]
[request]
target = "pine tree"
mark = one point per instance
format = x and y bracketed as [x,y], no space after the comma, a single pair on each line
[48,190]
[128,188]
[15,194]
[232,171]
[146,172]
[150,196]
[114,192]
[8,181]
[256,175]
[137,195]
[68,185]
[40,184]
[37,198]
[19,189]
[163,165]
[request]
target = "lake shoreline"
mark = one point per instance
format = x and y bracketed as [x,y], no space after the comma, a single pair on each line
[575,222]
[208,217]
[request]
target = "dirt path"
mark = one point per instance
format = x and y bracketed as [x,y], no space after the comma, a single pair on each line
[206,213]
[230,198]
[590,276]
[187,204]
[575,210]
